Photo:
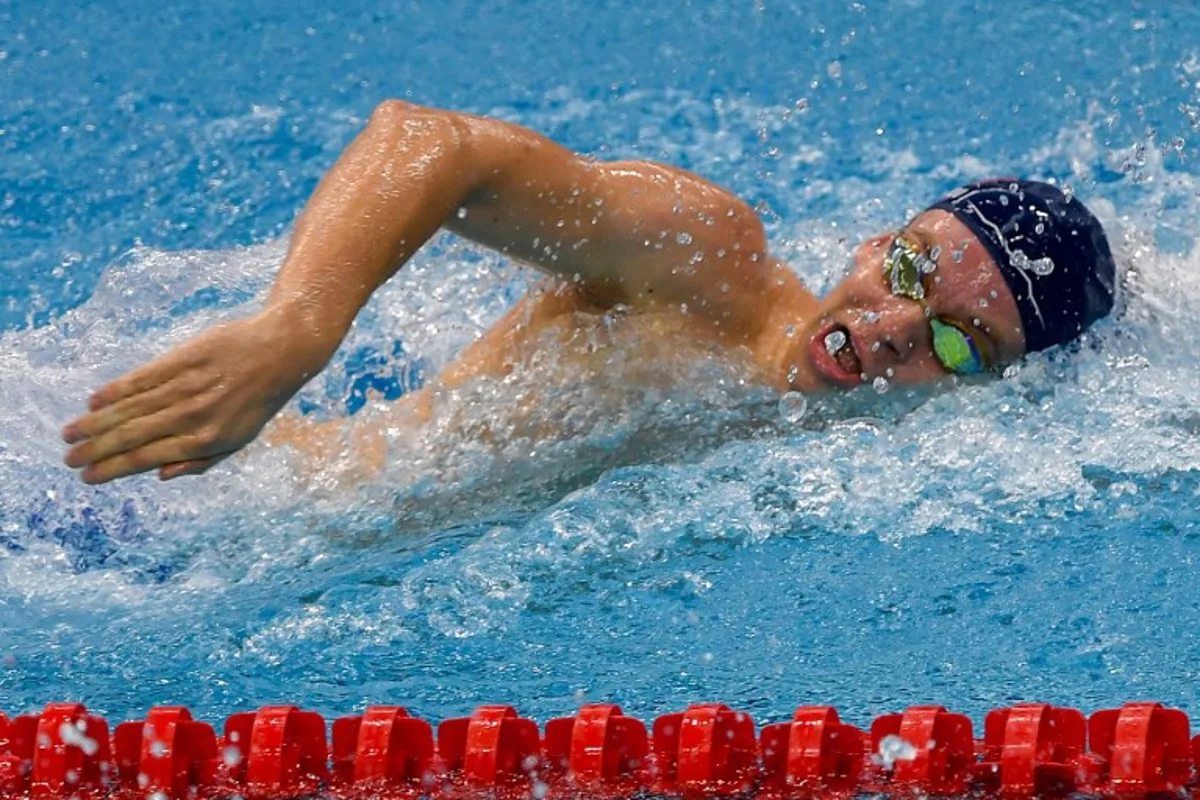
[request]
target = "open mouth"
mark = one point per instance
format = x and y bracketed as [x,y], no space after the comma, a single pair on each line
[835,356]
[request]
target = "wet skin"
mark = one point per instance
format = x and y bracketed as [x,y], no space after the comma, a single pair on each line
[646,238]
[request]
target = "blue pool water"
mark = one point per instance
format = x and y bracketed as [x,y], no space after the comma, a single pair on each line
[1036,537]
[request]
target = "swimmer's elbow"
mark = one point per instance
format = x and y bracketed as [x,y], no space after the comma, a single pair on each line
[408,124]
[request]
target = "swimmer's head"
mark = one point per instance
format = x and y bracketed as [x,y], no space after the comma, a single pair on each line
[1004,267]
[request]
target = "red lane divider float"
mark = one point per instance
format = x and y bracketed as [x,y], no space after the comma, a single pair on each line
[166,753]
[1141,750]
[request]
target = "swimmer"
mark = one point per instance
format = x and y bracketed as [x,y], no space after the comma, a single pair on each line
[993,271]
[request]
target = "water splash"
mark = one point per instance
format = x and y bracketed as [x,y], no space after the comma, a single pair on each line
[652,459]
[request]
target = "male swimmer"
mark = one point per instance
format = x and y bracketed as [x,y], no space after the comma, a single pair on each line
[993,271]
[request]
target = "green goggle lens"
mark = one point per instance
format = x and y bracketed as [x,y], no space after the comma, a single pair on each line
[955,348]
[905,268]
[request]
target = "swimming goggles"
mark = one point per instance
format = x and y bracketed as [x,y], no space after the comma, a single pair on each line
[904,269]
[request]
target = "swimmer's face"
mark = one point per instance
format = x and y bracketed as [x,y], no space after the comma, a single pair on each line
[889,336]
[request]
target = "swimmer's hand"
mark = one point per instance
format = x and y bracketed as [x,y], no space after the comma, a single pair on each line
[194,406]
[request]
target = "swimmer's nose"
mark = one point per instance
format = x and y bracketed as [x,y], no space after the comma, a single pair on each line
[900,331]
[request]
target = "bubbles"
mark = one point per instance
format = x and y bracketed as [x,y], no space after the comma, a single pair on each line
[792,408]
[683,237]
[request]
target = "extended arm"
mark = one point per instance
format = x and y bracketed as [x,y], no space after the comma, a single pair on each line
[625,232]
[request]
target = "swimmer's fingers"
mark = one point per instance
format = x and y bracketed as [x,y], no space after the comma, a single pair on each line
[131,434]
[197,466]
[172,450]
[145,378]
[143,404]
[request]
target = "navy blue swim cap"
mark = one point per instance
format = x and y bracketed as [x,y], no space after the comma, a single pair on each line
[1050,249]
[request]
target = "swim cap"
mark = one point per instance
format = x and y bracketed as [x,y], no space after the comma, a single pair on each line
[1050,249]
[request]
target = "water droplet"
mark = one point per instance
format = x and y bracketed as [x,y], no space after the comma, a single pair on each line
[875,347]
[891,373]
[880,385]
[834,341]
[789,331]
[1012,371]
[1042,266]
[957,255]
[232,756]
[462,212]
[1003,199]
[870,317]
[892,749]
[834,69]
[935,253]
[683,237]
[1039,229]
[983,303]
[792,407]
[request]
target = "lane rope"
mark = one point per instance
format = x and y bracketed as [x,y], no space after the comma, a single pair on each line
[709,750]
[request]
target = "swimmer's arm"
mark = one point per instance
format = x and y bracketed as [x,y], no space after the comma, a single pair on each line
[626,232]
[629,231]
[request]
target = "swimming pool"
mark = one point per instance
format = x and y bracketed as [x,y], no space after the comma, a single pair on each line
[1032,538]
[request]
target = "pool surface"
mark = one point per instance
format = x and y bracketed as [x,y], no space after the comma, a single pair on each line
[1032,538]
